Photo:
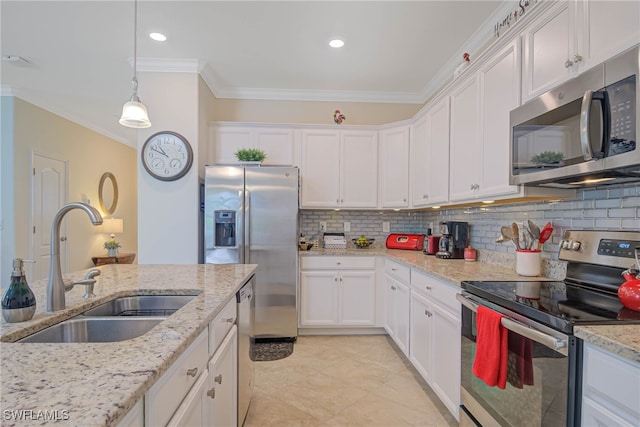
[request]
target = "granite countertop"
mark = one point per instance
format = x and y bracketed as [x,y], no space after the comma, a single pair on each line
[98,383]
[623,340]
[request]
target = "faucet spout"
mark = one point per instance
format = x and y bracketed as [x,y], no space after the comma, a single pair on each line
[55,286]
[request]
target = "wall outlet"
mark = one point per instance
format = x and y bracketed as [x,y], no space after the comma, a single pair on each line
[323,226]
[347,226]
[386,226]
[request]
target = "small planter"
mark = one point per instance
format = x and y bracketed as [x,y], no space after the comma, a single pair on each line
[113,252]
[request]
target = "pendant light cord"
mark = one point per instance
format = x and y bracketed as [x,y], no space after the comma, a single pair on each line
[135,46]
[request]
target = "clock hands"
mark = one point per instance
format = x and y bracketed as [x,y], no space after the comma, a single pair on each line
[159,150]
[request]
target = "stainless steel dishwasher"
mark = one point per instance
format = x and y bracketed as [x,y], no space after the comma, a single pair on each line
[246,338]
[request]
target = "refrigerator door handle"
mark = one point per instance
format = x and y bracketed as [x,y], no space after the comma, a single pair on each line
[240,219]
[247,224]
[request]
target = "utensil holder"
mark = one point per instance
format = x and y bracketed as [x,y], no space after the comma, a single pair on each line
[528,262]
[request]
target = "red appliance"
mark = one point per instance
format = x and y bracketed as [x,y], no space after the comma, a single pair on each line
[433,243]
[410,242]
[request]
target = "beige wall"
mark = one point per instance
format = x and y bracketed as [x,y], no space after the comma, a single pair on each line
[312,112]
[89,155]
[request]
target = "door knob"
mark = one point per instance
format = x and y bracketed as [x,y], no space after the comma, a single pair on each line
[218,379]
[212,393]
[63,238]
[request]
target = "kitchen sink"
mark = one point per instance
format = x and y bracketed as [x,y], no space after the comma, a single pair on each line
[81,329]
[141,305]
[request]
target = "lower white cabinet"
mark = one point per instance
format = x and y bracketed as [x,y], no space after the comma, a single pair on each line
[165,396]
[397,304]
[610,389]
[337,291]
[194,410]
[434,347]
[135,416]
[223,383]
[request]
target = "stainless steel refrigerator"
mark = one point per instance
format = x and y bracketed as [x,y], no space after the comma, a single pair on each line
[251,217]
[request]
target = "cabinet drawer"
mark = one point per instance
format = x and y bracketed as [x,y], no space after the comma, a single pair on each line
[432,288]
[222,323]
[337,263]
[399,271]
[165,396]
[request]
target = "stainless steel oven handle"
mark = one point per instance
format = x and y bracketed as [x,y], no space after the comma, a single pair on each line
[519,328]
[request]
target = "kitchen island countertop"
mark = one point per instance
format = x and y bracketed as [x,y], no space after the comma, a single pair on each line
[96,384]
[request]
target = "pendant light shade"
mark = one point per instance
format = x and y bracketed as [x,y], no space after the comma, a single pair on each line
[134,113]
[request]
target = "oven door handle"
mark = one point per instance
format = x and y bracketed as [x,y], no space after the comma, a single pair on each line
[520,329]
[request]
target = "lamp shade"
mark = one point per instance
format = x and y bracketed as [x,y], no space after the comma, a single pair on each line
[134,115]
[113,225]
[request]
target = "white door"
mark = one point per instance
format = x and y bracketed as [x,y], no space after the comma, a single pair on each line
[438,153]
[357,300]
[419,163]
[223,379]
[228,140]
[403,304]
[394,182]
[421,337]
[318,298]
[445,380]
[48,194]
[320,169]
[499,94]
[359,169]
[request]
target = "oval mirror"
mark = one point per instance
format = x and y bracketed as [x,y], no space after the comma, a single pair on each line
[108,193]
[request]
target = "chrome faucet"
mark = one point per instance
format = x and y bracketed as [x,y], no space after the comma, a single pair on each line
[56,286]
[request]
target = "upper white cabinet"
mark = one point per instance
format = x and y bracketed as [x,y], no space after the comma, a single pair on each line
[499,81]
[339,168]
[480,130]
[466,151]
[430,156]
[394,161]
[276,142]
[570,37]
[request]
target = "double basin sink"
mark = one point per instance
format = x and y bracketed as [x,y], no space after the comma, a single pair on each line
[120,319]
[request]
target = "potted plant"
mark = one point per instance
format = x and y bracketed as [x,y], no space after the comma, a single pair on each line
[112,247]
[250,155]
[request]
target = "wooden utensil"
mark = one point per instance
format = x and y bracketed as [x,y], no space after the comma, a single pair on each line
[545,233]
[507,233]
[516,234]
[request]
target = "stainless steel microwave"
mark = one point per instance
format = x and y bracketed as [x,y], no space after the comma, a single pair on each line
[583,133]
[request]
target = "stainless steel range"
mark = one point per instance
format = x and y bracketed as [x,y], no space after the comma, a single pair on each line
[544,358]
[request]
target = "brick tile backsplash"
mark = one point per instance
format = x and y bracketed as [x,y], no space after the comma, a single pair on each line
[613,208]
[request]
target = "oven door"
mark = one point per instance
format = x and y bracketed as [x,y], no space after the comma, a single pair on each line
[542,385]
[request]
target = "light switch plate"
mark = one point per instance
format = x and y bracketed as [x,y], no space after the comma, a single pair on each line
[347,226]
[323,226]
[385,226]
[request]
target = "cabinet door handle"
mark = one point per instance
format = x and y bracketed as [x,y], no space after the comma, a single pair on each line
[393,288]
[212,393]
[338,263]
[568,63]
[229,320]
[428,313]
[341,278]
[404,200]
[218,379]
[192,372]
[577,58]
[425,196]
[393,269]
[428,288]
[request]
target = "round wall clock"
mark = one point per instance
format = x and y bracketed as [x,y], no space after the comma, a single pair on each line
[167,156]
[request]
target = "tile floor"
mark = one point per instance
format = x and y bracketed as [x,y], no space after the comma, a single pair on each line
[343,381]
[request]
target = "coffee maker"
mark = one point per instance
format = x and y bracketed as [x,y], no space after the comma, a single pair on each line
[455,237]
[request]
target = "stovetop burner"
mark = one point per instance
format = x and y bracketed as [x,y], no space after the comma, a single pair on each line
[558,305]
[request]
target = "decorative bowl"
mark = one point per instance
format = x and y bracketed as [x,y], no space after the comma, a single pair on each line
[361,244]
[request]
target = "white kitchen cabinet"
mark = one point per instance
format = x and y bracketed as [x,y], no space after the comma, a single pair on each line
[394,161]
[276,141]
[435,336]
[499,82]
[339,169]
[337,292]
[420,340]
[165,396]
[610,389]
[135,416]
[223,382]
[397,304]
[194,410]
[430,156]
[466,150]
[573,36]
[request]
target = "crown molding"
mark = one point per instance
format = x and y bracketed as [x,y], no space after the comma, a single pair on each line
[168,65]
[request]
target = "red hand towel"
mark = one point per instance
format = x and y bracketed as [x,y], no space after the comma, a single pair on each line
[490,363]
[520,361]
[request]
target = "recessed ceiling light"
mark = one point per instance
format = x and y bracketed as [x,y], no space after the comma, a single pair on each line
[159,37]
[336,43]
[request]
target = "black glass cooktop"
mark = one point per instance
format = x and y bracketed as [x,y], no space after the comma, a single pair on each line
[558,305]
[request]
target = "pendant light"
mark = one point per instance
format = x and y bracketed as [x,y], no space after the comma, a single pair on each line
[134,113]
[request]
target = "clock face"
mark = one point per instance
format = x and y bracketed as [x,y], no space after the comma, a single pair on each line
[167,156]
